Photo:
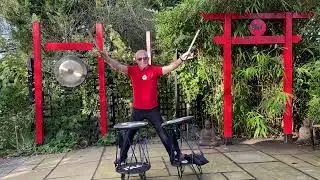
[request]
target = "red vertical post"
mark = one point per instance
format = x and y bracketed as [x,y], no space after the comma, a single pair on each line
[227,80]
[102,89]
[36,35]
[287,85]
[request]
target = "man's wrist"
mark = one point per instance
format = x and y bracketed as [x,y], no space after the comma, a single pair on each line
[181,59]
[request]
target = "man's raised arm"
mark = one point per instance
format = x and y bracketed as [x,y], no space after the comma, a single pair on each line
[114,63]
[174,64]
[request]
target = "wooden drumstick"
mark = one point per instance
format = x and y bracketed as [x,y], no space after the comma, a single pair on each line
[194,39]
[92,38]
[95,43]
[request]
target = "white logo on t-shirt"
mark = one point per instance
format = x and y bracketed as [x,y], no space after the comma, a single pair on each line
[144,77]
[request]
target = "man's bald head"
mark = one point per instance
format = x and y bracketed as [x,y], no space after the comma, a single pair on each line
[141,53]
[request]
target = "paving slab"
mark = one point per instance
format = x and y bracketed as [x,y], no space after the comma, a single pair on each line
[310,158]
[267,160]
[10,164]
[219,163]
[84,169]
[25,168]
[311,170]
[14,162]
[274,171]
[278,147]
[51,161]
[157,173]
[216,176]
[157,152]
[35,159]
[157,163]
[38,174]
[106,169]
[292,161]
[82,156]
[6,170]
[158,145]
[73,178]
[249,157]
[109,153]
[238,175]
[235,148]
[209,150]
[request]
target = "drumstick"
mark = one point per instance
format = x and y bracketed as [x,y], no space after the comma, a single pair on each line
[194,39]
[94,41]
[92,38]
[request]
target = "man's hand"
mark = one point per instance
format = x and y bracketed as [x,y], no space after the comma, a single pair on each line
[104,55]
[186,56]
[174,64]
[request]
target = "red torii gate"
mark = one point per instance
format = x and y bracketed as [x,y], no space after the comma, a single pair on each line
[63,46]
[257,28]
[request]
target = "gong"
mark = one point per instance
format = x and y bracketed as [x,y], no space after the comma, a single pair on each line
[70,71]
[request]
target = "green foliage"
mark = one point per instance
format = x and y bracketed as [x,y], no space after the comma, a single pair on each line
[108,140]
[258,98]
[256,124]
[309,79]
[15,115]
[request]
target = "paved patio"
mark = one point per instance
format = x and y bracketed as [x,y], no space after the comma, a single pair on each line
[261,160]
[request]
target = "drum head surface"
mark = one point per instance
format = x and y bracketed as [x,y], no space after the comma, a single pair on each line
[177,121]
[130,125]
[70,71]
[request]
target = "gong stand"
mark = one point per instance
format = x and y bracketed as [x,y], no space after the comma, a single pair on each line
[70,71]
[257,28]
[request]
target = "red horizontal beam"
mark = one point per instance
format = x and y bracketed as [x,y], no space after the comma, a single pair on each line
[220,16]
[256,39]
[58,46]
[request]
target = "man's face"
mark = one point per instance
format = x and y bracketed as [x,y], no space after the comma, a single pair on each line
[142,59]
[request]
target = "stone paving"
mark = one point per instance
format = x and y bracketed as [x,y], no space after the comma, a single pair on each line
[262,160]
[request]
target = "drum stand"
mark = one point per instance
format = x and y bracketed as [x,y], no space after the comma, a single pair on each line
[178,129]
[139,161]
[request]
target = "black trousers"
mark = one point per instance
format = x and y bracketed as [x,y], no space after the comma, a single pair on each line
[154,117]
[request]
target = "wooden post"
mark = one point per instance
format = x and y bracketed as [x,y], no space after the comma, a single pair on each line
[148,43]
[227,80]
[36,33]
[102,89]
[287,79]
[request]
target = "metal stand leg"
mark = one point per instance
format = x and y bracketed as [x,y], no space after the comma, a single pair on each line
[312,138]
[134,164]
[180,170]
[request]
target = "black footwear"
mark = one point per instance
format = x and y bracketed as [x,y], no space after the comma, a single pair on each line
[118,162]
[179,160]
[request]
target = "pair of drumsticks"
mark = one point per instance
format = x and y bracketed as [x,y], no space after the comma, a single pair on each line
[189,49]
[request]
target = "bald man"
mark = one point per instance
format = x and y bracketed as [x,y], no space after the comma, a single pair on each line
[144,79]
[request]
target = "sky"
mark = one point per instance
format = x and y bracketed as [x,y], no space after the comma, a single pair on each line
[4,32]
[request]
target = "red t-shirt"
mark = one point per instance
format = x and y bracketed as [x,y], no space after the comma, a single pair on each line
[145,86]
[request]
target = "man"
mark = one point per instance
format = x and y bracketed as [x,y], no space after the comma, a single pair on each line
[144,79]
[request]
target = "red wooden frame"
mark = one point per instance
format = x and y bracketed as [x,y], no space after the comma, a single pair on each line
[54,46]
[62,46]
[227,40]
[37,82]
